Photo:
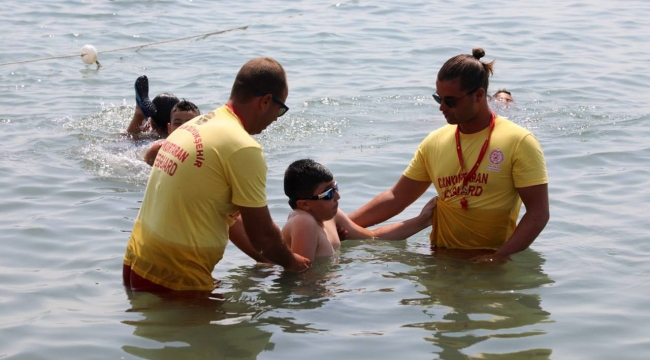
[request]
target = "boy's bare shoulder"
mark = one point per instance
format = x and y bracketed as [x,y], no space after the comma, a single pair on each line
[300,218]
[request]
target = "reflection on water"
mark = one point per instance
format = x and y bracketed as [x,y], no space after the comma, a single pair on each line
[229,322]
[468,304]
[195,328]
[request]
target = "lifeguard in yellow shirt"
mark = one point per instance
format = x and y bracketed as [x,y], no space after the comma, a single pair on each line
[483,167]
[208,185]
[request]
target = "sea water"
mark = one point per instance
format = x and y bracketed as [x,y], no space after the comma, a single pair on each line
[361,75]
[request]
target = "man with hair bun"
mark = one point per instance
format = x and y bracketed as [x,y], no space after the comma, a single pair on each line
[208,185]
[483,167]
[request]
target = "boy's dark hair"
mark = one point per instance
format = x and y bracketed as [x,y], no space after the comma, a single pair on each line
[302,178]
[185,105]
[164,103]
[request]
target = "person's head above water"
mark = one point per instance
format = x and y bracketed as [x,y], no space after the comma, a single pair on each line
[164,103]
[181,113]
[259,93]
[461,91]
[302,178]
[260,75]
[504,96]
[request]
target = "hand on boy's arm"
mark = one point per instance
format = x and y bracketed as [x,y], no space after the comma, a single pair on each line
[342,232]
[266,238]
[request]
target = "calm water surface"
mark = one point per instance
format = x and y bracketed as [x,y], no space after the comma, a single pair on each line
[361,76]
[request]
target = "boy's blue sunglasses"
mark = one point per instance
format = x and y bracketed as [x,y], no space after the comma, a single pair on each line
[325,195]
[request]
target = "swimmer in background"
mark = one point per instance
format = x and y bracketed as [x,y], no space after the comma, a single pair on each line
[181,113]
[150,116]
[503,96]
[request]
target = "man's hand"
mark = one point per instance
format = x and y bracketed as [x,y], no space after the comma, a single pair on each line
[299,263]
[266,238]
[343,233]
[427,210]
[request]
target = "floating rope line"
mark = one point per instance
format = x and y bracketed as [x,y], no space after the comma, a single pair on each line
[89,53]
[204,35]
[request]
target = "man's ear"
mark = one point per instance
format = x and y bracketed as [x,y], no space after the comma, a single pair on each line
[265,101]
[480,93]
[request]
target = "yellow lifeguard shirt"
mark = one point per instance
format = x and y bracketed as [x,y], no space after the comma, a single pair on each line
[204,169]
[514,159]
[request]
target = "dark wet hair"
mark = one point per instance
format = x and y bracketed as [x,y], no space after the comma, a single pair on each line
[472,73]
[185,105]
[502,91]
[164,103]
[260,75]
[302,178]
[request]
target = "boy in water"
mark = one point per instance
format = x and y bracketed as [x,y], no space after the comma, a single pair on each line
[181,113]
[311,229]
[150,116]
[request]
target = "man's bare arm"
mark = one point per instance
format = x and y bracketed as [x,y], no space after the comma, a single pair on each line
[535,199]
[237,235]
[397,231]
[390,202]
[405,229]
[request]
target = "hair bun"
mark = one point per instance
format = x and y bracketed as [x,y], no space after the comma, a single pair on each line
[478,53]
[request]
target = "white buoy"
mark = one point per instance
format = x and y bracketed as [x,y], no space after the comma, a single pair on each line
[89,55]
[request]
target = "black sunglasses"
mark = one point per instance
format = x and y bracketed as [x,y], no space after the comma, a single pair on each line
[325,195]
[450,102]
[283,108]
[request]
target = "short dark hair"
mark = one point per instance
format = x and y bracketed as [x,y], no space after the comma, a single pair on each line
[502,91]
[260,75]
[185,105]
[469,70]
[164,103]
[302,178]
